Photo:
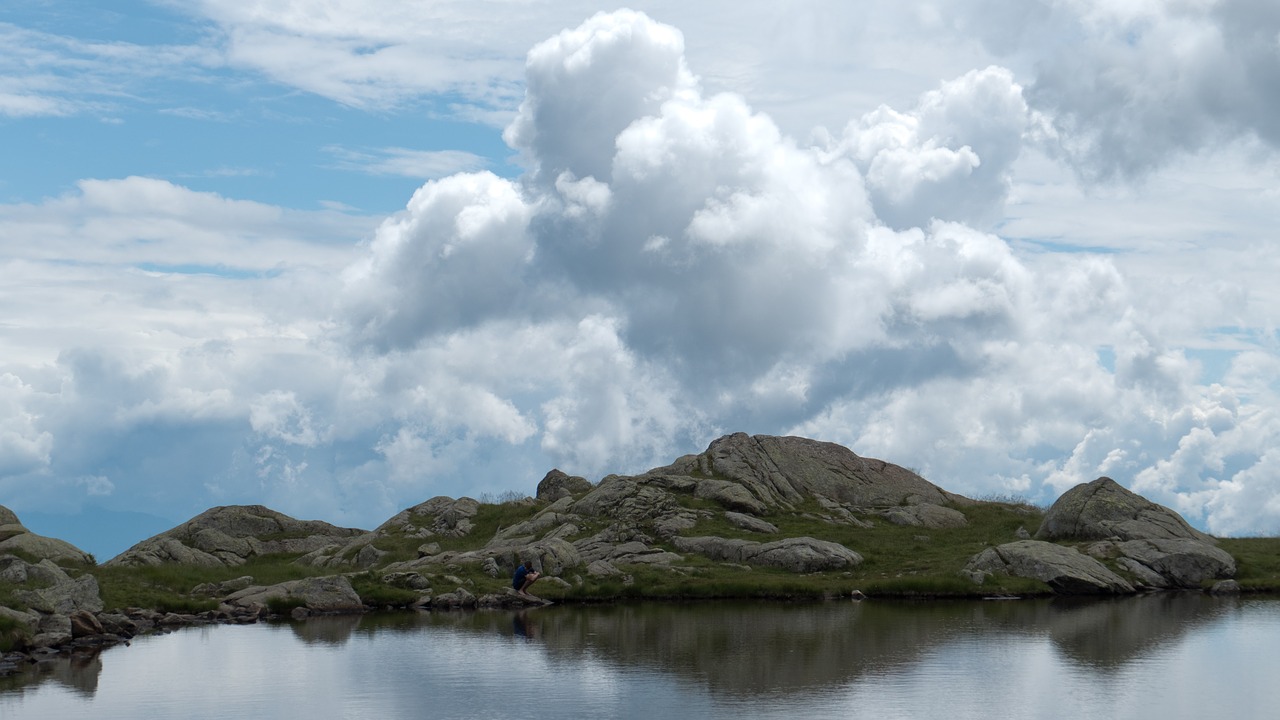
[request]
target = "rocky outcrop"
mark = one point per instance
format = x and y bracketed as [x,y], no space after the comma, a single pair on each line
[781,471]
[556,485]
[798,554]
[16,538]
[1150,542]
[46,587]
[1103,510]
[229,536]
[331,594]
[926,515]
[1170,563]
[750,523]
[439,517]
[1064,569]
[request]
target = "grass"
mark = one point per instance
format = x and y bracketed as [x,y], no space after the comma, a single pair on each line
[489,518]
[904,560]
[12,634]
[1257,562]
[899,561]
[168,587]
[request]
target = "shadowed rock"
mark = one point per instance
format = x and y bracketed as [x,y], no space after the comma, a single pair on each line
[1062,568]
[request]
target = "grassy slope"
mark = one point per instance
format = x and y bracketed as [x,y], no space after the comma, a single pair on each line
[899,562]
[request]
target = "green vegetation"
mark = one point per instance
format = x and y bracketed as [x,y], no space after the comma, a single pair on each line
[12,634]
[167,588]
[900,561]
[1257,562]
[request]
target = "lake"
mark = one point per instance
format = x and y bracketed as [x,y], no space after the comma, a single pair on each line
[1159,656]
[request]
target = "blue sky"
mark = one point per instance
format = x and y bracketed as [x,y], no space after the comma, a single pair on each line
[338,260]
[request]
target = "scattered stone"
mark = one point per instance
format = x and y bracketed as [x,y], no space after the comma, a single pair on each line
[1225,587]
[748,522]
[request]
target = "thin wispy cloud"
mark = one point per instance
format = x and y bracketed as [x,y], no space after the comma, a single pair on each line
[404,162]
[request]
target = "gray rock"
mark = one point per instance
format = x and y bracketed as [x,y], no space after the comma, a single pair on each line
[799,554]
[1063,569]
[331,594]
[781,471]
[926,515]
[1182,562]
[16,538]
[45,587]
[1103,509]
[602,568]
[459,598]
[229,536]
[1225,587]
[407,580]
[557,485]
[730,495]
[1144,575]
[750,523]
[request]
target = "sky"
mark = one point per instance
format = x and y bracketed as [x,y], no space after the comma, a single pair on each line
[338,258]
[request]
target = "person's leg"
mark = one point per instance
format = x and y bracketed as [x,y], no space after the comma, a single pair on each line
[529,579]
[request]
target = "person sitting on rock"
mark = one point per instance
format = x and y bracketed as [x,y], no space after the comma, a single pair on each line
[524,577]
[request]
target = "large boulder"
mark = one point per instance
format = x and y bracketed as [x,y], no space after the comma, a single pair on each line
[1065,570]
[47,588]
[556,485]
[231,535]
[798,554]
[332,594]
[16,538]
[783,471]
[1103,509]
[1179,562]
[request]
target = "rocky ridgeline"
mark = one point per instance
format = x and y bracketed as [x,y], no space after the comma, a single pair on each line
[607,529]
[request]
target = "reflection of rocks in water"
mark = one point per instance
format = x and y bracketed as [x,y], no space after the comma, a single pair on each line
[326,629]
[746,648]
[1110,633]
[79,671]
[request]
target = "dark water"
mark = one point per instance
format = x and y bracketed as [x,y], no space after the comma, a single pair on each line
[1167,656]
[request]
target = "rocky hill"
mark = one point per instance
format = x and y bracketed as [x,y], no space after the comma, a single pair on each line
[751,509]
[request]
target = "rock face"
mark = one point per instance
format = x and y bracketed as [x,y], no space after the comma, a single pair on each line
[229,536]
[781,471]
[1102,510]
[332,594]
[558,485]
[1151,542]
[798,554]
[15,537]
[1064,569]
[1170,563]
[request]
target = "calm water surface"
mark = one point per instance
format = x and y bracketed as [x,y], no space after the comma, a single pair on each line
[1169,656]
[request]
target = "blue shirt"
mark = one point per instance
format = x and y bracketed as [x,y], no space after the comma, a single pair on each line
[518,581]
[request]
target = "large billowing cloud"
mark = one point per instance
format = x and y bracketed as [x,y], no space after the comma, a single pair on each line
[719,276]
[671,265]
[1131,84]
